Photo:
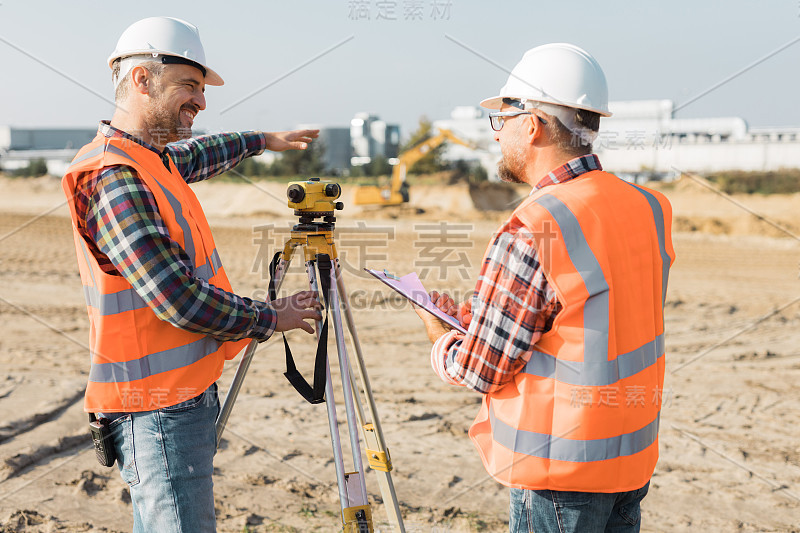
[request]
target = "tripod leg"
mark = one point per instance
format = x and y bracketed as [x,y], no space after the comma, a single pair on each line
[360,359]
[358,513]
[244,365]
[333,424]
[377,451]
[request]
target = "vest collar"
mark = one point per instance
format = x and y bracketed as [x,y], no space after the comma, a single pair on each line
[107,130]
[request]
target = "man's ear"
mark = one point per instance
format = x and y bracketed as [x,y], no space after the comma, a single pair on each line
[141,80]
[534,129]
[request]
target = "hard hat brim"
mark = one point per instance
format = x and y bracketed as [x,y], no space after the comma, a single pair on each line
[211,78]
[496,102]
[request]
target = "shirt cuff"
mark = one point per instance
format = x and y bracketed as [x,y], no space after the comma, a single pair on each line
[266,320]
[442,355]
[255,142]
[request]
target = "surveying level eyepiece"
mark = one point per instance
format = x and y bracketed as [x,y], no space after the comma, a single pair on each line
[314,197]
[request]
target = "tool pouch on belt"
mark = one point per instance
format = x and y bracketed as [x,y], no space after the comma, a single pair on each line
[103,440]
[312,393]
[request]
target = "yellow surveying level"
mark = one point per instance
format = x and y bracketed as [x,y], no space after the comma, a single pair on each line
[312,200]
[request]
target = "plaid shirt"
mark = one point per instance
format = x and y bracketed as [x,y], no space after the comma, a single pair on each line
[513,304]
[119,217]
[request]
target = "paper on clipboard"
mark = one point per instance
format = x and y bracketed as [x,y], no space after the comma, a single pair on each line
[411,287]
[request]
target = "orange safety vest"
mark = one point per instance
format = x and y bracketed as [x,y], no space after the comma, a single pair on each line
[583,413]
[138,361]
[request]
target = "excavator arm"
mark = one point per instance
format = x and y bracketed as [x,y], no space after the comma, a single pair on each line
[397,192]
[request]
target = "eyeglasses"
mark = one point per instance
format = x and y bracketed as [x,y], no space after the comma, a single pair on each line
[498,118]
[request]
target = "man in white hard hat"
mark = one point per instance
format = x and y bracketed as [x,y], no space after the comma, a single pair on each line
[565,329]
[163,315]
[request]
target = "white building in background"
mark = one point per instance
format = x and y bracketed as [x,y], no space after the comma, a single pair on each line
[370,137]
[366,138]
[471,124]
[643,140]
[56,146]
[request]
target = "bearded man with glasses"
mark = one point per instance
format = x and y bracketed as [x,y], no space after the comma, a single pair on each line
[565,331]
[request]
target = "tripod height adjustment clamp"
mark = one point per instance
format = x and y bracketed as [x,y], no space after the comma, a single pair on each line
[357,519]
[378,460]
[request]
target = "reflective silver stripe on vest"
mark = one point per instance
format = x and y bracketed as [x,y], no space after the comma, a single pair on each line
[177,209]
[112,304]
[216,262]
[86,255]
[596,374]
[153,364]
[212,265]
[88,155]
[576,451]
[108,304]
[658,217]
[596,307]
[595,370]
[129,299]
[120,152]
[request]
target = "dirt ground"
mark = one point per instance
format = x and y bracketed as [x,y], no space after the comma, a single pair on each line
[729,439]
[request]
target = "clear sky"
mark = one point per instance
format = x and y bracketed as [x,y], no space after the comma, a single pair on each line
[322,61]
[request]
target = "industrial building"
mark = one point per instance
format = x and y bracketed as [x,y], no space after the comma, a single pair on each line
[643,140]
[56,146]
[371,137]
[367,137]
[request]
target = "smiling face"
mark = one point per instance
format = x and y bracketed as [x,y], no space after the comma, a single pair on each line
[175,99]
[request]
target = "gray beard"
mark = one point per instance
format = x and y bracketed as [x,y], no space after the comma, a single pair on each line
[164,127]
[506,174]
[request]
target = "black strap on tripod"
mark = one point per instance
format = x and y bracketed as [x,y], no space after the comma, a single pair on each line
[315,393]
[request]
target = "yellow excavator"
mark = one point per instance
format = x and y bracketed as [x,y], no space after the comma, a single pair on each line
[396,193]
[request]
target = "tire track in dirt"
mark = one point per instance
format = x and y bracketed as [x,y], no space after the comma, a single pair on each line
[22,425]
[15,466]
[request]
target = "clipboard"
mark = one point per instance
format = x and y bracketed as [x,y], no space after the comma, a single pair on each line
[411,288]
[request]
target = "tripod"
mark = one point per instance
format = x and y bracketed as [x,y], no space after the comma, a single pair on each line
[322,267]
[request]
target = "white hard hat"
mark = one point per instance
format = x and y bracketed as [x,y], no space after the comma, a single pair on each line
[557,73]
[175,40]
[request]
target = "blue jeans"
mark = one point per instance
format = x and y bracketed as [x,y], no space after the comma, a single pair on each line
[546,511]
[166,458]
